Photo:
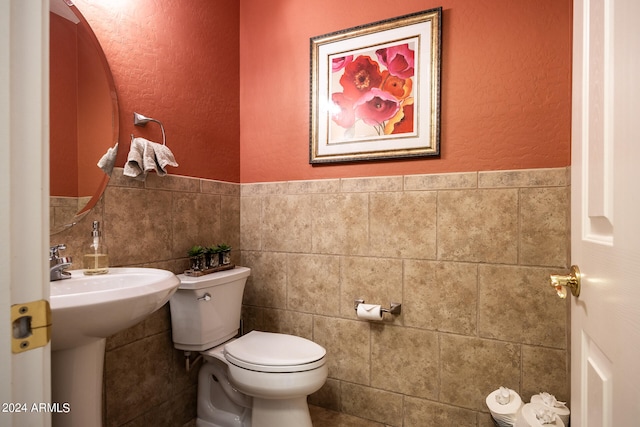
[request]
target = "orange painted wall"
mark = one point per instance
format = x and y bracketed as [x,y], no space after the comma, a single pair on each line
[230,81]
[179,63]
[506,85]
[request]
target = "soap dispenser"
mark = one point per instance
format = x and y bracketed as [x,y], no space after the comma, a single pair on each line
[96,261]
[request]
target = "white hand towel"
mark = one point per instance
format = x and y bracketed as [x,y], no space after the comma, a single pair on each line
[135,164]
[149,157]
[164,157]
[157,157]
[146,156]
[108,160]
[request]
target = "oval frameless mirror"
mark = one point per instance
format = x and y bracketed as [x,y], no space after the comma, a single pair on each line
[83,115]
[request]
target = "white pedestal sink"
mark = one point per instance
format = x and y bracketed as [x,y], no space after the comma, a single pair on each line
[85,311]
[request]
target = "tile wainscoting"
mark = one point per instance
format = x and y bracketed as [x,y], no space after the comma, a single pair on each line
[153,224]
[468,255]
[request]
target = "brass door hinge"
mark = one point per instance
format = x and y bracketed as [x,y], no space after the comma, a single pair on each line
[31,324]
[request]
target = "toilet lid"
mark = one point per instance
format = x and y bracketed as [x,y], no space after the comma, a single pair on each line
[271,352]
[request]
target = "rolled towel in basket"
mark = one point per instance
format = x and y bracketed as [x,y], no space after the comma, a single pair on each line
[504,405]
[549,400]
[537,415]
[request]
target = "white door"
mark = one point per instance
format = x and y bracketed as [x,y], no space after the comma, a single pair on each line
[24,188]
[605,236]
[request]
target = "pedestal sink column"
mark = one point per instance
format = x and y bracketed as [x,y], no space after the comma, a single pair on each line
[85,310]
[76,379]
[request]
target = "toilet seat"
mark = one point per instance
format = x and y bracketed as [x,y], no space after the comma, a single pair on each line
[273,352]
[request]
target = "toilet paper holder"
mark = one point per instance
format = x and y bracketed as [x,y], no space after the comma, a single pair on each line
[394,307]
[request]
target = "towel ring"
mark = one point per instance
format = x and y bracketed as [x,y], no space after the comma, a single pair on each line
[140,120]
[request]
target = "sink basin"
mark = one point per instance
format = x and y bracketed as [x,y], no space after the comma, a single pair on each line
[84,308]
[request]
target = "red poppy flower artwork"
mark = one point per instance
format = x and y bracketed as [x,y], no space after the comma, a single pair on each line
[372,88]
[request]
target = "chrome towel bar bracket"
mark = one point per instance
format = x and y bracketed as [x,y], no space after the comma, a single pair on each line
[140,120]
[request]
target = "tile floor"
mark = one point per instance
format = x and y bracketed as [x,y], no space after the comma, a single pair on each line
[322,417]
[325,418]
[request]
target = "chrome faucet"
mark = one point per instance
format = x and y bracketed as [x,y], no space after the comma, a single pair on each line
[58,264]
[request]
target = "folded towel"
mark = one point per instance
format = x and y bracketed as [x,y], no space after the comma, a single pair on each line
[164,157]
[146,156]
[135,166]
[108,160]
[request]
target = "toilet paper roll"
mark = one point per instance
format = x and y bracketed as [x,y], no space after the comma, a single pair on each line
[550,402]
[527,417]
[504,414]
[369,312]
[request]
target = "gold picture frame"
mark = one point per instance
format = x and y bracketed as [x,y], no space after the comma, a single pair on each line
[375,90]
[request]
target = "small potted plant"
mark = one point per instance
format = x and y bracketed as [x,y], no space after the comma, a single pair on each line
[212,256]
[225,254]
[196,257]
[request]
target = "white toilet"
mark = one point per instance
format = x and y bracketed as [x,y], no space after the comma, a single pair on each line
[260,379]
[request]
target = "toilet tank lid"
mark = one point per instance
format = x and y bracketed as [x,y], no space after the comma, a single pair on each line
[273,349]
[213,279]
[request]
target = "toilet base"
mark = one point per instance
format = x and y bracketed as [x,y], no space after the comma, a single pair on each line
[203,423]
[281,413]
[228,421]
[267,399]
[219,405]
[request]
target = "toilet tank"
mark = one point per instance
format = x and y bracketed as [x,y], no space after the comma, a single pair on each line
[205,310]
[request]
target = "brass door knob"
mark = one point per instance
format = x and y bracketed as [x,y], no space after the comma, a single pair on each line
[572,281]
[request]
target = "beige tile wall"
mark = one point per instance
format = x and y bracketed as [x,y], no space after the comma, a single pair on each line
[153,224]
[467,254]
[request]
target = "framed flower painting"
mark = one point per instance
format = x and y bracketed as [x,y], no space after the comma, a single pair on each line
[375,90]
